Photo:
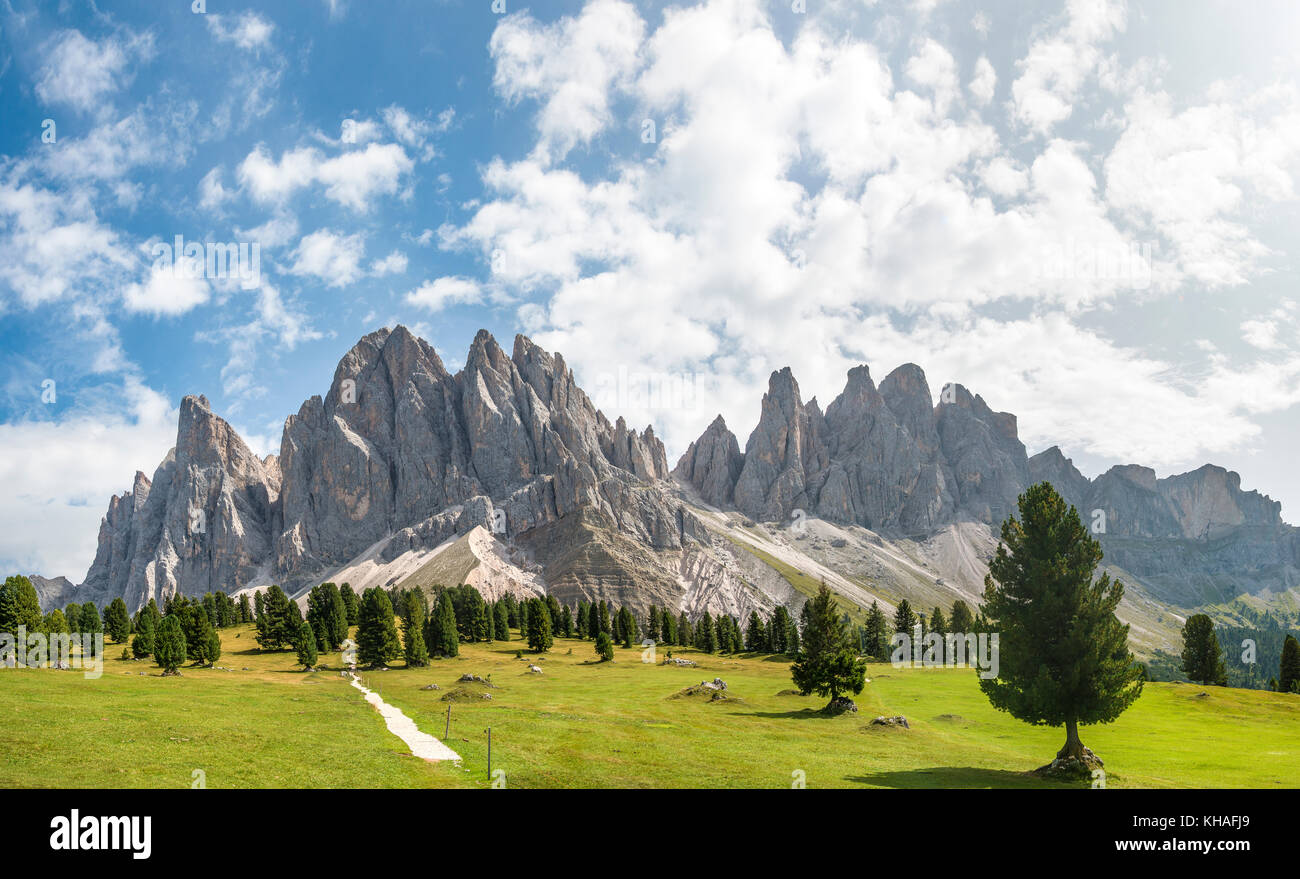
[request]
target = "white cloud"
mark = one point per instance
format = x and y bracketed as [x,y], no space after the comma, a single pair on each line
[352,178]
[330,256]
[933,67]
[393,264]
[248,30]
[59,475]
[984,82]
[444,292]
[80,72]
[1057,65]
[568,67]
[168,291]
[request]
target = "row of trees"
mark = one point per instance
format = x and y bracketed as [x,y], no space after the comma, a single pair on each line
[1202,657]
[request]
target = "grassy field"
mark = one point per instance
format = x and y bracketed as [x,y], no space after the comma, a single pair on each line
[588,724]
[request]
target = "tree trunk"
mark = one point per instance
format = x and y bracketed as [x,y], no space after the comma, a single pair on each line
[1073,747]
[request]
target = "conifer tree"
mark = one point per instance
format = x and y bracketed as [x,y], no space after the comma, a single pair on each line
[72,613]
[245,611]
[566,621]
[652,618]
[905,622]
[502,626]
[706,635]
[1288,676]
[1202,656]
[213,651]
[169,646]
[442,638]
[413,623]
[539,626]
[604,646]
[668,627]
[755,633]
[685,635]
[583,621]
[377,640]
[351,603]
[779,629]
[1064,656]
[117,622]
[19,606]
[827,664]
[961,621]
[306,646]
[142,643]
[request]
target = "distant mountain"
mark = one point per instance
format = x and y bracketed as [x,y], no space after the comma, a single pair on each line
[506,475]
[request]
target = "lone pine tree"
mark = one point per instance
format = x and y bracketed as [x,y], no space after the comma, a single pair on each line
[1202,657]
[827,664]
[1064,657]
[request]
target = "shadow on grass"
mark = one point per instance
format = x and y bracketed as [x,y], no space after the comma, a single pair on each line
[819,713]
[957,777]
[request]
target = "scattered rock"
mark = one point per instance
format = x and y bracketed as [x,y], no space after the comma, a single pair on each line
[896,720]
[431,687]
[844,705]
[532,669]
[1071,768]
[839,543]
[474,679]
[677,660]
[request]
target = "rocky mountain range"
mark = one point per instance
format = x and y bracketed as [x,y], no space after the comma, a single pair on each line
[505,474]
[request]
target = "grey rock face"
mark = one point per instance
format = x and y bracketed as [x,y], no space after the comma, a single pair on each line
[712,464]
[398,450]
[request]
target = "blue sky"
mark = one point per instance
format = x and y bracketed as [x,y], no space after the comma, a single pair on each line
[1083,211]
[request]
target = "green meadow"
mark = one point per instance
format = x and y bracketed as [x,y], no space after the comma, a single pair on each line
[264,723]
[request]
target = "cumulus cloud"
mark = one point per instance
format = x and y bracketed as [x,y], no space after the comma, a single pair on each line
[444,292]
[330,256]
[353,178]
[247,30]
[80,72]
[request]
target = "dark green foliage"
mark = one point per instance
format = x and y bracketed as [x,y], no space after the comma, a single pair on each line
[604,646]
[213,651]
[277,621]
[875,634]
[245,610]
[962,620]
[441,637]
[169,646]
[306,645]
[117,622]
[584,620]
[706,636]
[328,616]
[377,640]
[19,606]
[778,630]
[413,623]
[652,624]
[501,628]
[827,664]
[566,622]
[539,626]
[685,634]
[1288,677]
[755,633]
[905,621]
[1064,655]
[668,627]
[350,603]
[1202,658]
[145,633]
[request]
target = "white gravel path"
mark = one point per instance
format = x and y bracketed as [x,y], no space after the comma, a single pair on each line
[421,743]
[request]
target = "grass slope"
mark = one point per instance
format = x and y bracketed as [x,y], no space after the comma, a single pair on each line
[587,724]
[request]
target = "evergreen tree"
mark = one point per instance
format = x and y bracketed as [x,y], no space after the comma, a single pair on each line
[1202,657]
[706,636]
[442,638]
[652,624]
[377,640]
[351,604]
[828,664]
[668,627]
[72,613]
[522,611]
[55,623]
[328,616]
[876,634]
[1288,676]
[1064,657]
[213,652]
[19,606]
[755,633]
[566,621]
[905,622]
[413,622]
[685,636]
[962,621]
[539,626]
[939,625]
[584,620]
[502,625]
[593,621]
[603,618]
[145,632]
[306,646]
[169,646]
[792,640]
[604,646]
[117,622]
[778,630]
[245,611]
